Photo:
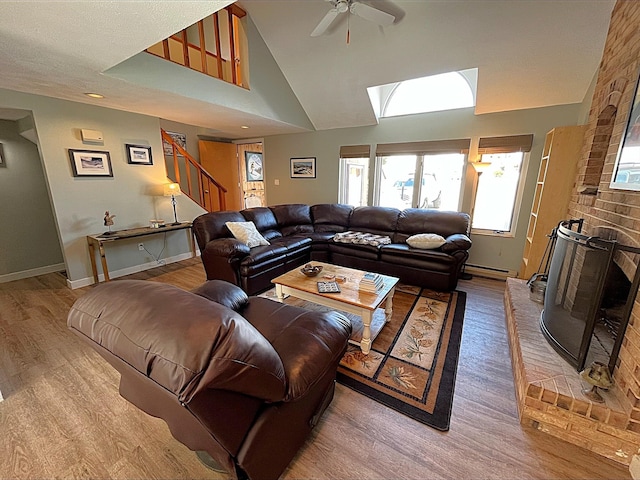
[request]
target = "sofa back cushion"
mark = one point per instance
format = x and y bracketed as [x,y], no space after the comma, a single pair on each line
[331,217]
[180,340]
[264,220]
[377,220]
[210,226]
[444,223]
[293,218]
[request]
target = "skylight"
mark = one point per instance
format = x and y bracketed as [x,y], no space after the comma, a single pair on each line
[446,91]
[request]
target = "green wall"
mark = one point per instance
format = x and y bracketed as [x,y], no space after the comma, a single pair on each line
[28,237]
[488,251]
[79,203]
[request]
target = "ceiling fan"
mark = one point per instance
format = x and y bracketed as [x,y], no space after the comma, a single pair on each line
[355,7]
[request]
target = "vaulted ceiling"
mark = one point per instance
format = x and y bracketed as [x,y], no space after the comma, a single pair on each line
[530,53]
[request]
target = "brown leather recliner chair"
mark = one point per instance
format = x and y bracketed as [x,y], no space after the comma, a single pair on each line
[242,379]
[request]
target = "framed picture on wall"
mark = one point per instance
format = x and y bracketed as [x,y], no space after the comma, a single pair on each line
[303,167]
[626,171]
[139,154]
[179,138]
[90,163]
[253,162]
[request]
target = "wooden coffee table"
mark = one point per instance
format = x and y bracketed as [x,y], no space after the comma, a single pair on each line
[350,299]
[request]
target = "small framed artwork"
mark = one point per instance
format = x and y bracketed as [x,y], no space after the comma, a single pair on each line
[179,138]
[303,167]
[139,154]
[90,163]
[253,161]
[2,164]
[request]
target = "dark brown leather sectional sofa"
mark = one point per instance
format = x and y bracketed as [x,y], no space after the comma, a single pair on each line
[298,233]
[244,379]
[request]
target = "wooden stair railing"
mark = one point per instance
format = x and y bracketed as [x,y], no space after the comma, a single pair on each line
[203,190]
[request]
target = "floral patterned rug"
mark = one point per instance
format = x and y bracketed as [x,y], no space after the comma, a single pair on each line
[412,363]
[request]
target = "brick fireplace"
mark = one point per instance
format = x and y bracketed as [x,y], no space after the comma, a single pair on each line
[549,390]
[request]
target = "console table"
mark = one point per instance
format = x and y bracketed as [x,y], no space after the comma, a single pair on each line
[98,241]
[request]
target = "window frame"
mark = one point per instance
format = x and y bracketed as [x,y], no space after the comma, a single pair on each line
[517,201]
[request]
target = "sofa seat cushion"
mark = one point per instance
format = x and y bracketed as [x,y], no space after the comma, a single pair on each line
[321,237]
[403,254]
[293,242]
[263,254]
[298,335]
[356,250]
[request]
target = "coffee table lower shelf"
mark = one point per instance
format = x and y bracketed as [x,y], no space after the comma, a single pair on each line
[365,331]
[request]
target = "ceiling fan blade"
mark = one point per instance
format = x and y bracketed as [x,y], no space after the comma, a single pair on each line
[372,14]
[325,22]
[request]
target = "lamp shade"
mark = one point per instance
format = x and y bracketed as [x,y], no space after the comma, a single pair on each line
[172,189]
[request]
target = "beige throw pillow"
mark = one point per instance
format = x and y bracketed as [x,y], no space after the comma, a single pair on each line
[426,241]
[247,233]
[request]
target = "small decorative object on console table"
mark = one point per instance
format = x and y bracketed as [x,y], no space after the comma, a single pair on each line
[173,190]
[108,221]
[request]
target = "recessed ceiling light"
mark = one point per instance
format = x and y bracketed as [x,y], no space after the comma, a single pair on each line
[243,126]
[94,95]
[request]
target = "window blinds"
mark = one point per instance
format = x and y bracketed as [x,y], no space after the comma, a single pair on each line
[508,144]
[429,147]
[355,151]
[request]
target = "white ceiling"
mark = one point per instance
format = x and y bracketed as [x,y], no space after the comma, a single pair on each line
[530,53]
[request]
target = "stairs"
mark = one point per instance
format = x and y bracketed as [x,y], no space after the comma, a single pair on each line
[194,181]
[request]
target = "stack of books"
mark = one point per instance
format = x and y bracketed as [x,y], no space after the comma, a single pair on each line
[371,282]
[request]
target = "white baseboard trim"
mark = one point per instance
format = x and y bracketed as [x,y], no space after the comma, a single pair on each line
[83,282]
[489,272]
[34,272]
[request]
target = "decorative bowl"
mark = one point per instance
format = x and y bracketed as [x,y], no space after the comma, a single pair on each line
[311,270]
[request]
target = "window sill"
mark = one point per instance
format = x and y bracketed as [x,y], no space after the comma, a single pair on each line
[493,233]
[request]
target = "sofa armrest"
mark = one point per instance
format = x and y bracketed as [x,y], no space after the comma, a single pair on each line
[226,247]
[224,293]
[455,242]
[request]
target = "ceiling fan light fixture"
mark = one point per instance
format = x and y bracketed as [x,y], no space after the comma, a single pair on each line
[342,6]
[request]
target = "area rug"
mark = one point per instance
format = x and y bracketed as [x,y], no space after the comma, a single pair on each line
[412,364]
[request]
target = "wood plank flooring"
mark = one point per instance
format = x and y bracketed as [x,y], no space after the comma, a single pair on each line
[61,415]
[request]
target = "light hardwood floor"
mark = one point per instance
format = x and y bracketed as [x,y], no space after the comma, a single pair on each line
[61,415]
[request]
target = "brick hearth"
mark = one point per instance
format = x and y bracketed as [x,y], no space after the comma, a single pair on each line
[549,390]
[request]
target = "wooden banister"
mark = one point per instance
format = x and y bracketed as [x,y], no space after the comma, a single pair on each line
[202,192]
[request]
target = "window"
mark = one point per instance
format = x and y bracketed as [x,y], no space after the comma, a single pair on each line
[354,175]
[438,165]
[445,91]
[500,184]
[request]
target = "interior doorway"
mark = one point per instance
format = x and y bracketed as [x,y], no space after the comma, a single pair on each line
[251,166]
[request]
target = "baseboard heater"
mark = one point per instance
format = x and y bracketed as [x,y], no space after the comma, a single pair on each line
[490,272]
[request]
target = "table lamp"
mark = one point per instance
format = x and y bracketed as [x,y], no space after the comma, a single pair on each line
[173,190]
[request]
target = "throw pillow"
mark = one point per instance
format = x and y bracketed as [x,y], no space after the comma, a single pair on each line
[247,233]
[426,241]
